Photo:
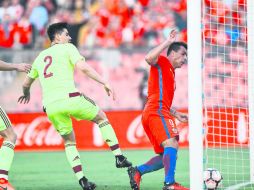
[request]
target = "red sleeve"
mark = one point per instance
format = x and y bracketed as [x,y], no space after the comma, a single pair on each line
[162,60]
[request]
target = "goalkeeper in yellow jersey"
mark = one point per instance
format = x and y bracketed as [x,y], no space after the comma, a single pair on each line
[7,132]
[55,69]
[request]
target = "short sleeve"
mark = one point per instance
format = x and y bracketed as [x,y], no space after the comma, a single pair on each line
[74,54]
[33,72]
[162,60]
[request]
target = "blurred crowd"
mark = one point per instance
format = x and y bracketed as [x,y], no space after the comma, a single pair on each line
[225,22]
[139,24]
[225,52]
[102,23]
[115,23]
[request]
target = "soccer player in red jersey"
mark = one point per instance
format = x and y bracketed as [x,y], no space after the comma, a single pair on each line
[7,132]
[157,117]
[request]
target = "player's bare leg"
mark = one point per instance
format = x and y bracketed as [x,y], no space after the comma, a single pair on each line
[73,158]
[110,138]
[6,156]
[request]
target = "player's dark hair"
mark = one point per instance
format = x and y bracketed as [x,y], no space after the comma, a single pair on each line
[175,46]
[56,28]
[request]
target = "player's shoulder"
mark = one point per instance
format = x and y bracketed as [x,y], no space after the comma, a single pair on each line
[69,45]
[58,49]
[42,54]
[162,58]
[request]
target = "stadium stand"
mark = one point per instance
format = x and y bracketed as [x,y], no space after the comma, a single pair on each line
[107,23]
[114,36]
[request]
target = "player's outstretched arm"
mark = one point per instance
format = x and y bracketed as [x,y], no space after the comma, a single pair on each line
[21,67]
[152,56]
[183,117]
[25,98]
[91,73]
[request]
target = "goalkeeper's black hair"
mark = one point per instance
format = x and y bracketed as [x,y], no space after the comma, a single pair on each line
[56,28]
[175,46]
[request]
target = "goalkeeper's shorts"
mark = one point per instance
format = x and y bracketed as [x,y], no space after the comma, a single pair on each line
[4,120]
[77,106]
[158,129]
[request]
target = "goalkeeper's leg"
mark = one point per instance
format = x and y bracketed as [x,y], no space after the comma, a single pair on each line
[110,138]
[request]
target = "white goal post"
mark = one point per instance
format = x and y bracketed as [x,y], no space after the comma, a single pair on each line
[195,96]
[250,24]
[221,91]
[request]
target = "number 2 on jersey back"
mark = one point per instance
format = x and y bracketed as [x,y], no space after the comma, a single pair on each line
[48,60]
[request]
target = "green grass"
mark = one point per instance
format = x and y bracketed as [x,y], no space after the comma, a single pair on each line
[50,170]
[234,165]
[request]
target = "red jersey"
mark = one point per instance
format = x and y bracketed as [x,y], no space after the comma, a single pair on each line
[161,87]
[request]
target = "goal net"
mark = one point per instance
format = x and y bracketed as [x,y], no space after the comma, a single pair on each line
[226,99]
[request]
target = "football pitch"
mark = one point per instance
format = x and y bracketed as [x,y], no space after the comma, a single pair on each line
[51,171]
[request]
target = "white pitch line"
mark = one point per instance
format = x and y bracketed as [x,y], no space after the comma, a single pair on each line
[238,186]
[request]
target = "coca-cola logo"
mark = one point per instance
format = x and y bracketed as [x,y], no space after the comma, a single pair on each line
[39,132]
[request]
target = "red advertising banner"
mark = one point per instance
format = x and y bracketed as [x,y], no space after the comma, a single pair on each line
[35,132]
[226,126]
